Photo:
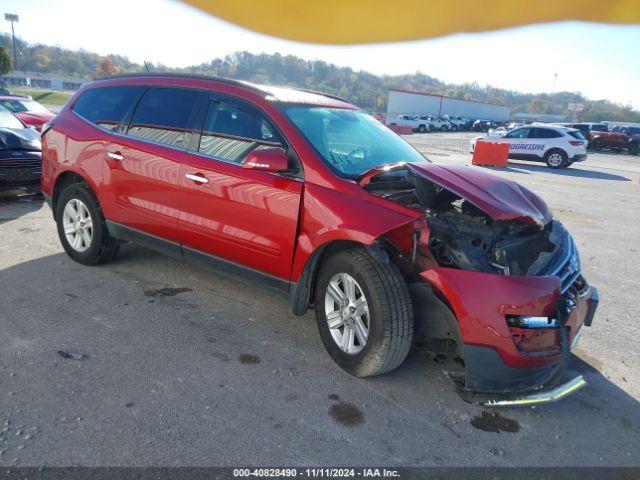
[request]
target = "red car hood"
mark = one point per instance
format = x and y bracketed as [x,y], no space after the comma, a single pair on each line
[499,198]
[34,118]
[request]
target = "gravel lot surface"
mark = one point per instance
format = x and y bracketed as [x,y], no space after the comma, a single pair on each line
[176,365]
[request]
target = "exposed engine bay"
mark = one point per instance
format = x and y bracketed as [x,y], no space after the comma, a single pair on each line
[463,236]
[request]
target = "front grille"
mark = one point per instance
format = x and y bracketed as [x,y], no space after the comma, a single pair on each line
[26,163]
[568,268]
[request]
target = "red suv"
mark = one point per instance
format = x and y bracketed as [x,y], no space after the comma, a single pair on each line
[305,193]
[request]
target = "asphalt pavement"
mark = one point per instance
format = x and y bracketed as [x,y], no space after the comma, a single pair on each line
[150,361]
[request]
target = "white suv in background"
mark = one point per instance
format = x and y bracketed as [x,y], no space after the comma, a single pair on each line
[558,147]
[418,124]
[437,123]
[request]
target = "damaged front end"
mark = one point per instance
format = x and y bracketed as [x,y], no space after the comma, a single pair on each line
[492,257]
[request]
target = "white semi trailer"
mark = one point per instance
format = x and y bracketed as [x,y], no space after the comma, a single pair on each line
[415,103]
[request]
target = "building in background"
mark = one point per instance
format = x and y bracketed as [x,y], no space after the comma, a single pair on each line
[404,102]
[539,117]
[19,78]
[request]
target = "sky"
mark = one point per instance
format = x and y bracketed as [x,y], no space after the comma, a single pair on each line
[601,61]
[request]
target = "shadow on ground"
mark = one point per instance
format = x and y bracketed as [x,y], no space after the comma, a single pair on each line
[185,366]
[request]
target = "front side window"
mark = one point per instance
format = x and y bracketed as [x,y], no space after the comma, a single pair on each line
[107,107]
[599,128]
[349,141]
[231,130]
[518,133]
[165,115]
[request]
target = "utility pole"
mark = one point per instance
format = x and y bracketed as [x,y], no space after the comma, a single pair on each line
[11,17]
[555,78]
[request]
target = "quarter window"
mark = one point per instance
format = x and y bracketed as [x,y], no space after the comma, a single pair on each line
[165,115]
[107,107]
[232,130]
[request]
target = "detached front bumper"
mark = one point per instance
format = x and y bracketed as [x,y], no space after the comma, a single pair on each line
[495,368]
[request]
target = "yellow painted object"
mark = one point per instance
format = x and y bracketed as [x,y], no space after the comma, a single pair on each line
[371,21]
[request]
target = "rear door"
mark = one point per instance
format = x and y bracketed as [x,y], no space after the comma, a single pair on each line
[542,139]
[517,140]
[143,163]
[246,217]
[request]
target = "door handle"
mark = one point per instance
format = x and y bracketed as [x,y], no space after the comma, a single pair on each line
[115,156]
[196,178]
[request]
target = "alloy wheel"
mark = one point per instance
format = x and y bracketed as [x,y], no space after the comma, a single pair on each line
[78,225]
[347,313]
[556,159]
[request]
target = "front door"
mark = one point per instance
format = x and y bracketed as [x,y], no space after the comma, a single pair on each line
[245,217]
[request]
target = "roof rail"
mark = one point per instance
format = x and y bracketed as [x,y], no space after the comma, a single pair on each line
[230,81]
[241,83]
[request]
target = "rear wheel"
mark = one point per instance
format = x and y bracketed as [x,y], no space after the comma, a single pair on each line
[422,129]
[81,227]
[364,313]
[597,144]
[634,148]
[555,159]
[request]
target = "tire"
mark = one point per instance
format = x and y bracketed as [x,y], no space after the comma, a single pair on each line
[555,159]
[597,144]
[422,129]
[389,317]
[454,128]
[443,128]
[95,245]
[634,148]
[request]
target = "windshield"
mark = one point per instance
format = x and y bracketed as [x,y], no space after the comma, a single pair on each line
[23,106]
[8,120]
[350,141]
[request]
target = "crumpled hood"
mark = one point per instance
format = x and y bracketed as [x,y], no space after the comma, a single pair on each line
[20,139]
[499,198]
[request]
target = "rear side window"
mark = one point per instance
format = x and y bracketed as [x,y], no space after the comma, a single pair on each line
[231,130]
[165,115]
[544,133]
[107,107]
[577,135]
[599,128]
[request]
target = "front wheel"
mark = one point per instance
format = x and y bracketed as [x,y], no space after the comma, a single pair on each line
[422,129]
[364,313]
[81,227]
[634,148]
[555,159]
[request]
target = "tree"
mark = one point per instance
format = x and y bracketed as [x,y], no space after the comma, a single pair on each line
[105,68]
[6,63]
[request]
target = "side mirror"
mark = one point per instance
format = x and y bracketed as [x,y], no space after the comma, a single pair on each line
[270,159]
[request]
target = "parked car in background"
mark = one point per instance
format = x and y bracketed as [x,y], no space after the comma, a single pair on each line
[27,110]
[436,123]
[557,146]
[417,124]
[484,125]
[457,123]
[305,193]
[588,130]
[20,156]
[618,138]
